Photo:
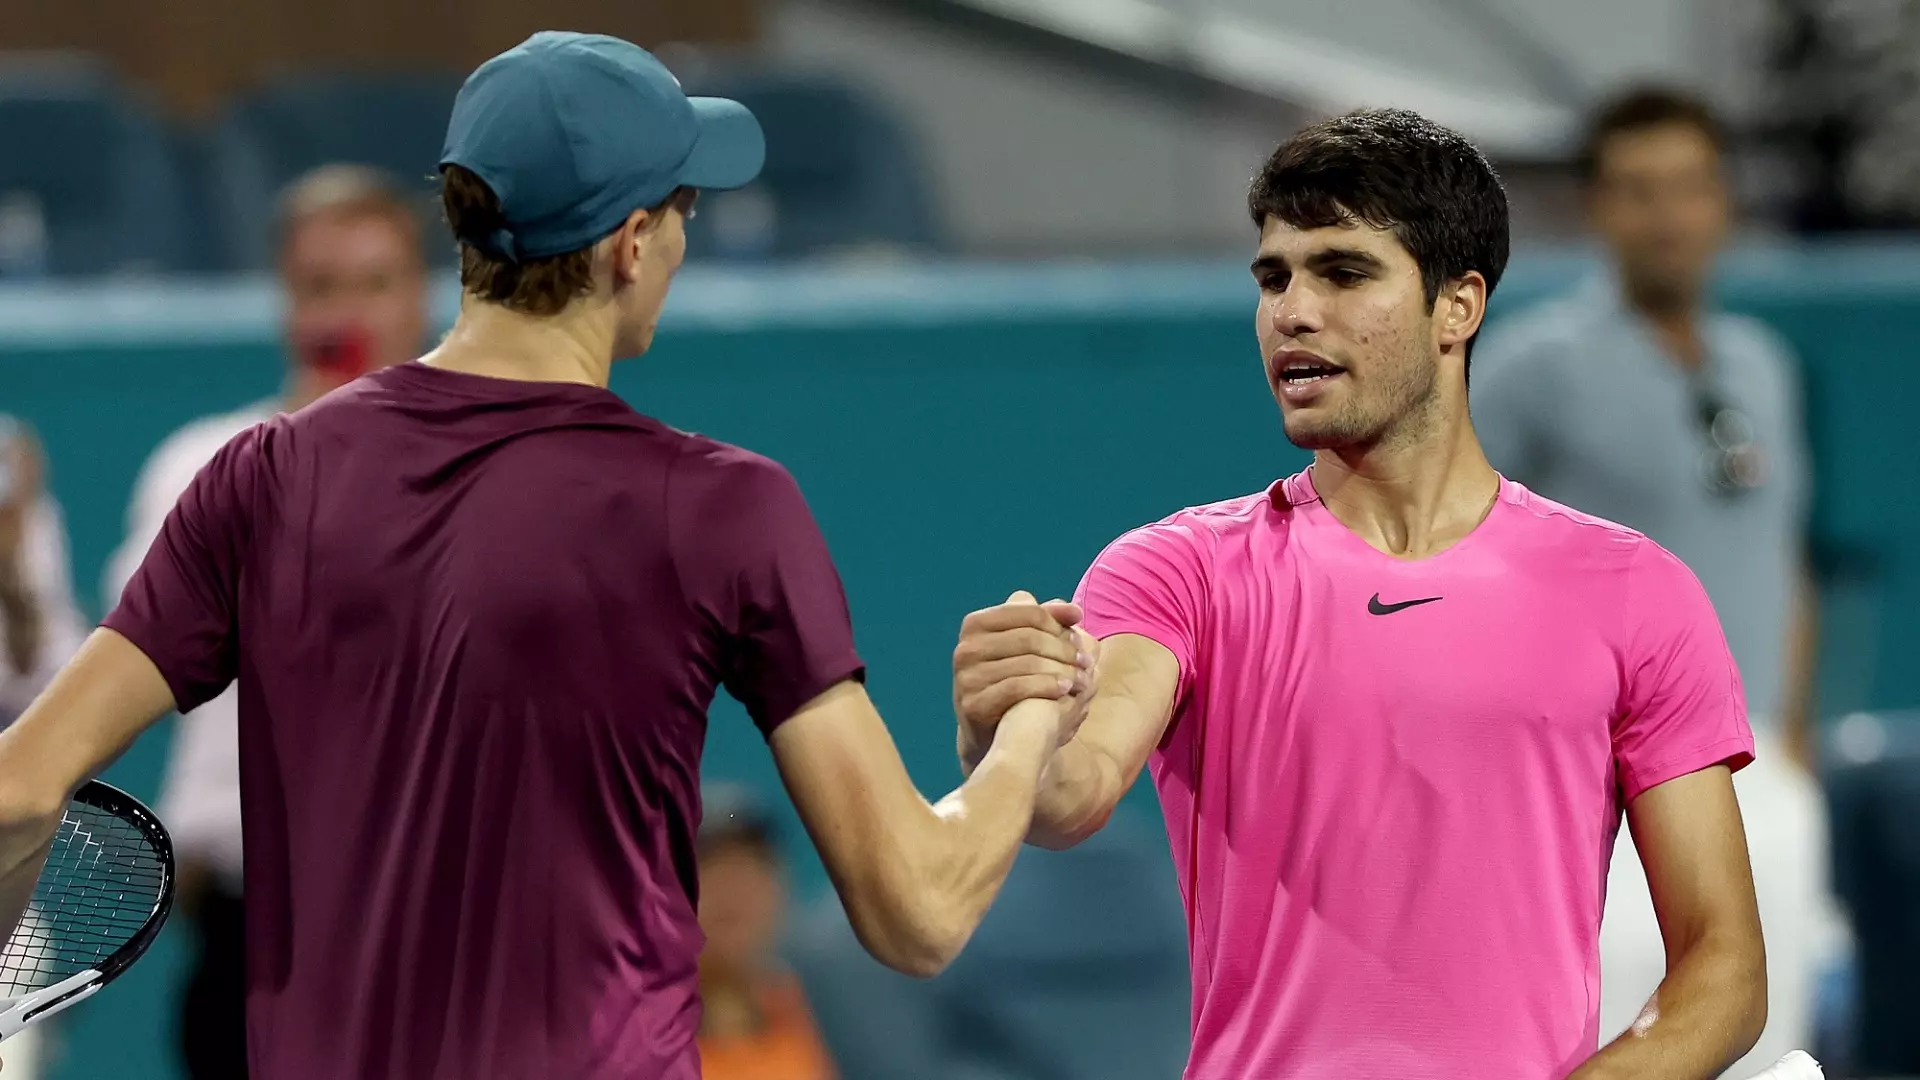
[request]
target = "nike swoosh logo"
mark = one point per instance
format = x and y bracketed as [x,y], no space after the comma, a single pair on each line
[1375,607]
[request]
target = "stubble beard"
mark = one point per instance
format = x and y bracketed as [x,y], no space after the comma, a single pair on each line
[1402,412]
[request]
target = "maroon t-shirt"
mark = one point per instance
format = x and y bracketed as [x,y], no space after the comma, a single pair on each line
[477,625]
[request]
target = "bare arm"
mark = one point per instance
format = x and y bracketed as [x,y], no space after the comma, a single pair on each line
[915,878]
[1125,721]
[90,714]
[1712,1005]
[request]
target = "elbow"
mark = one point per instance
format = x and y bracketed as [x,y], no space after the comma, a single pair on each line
[924,962]
[1061,839]
[1742,992]
[1756,1022]
[1751,1021]
[915,939]
[1061,835]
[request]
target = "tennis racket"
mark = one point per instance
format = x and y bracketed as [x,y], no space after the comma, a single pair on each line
[106,889]
[1798,1065]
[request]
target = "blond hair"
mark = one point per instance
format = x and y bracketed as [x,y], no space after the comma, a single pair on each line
[349,191]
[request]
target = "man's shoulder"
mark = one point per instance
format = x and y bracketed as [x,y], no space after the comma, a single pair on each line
[1599,567]
[710,463]
[715,485]
[1605,560]
[1565,527]
[1752,343]
[696,451]
[1751,331]
[1194,533]
[1215,519]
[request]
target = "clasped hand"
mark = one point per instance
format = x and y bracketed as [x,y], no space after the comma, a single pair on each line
[1019,651]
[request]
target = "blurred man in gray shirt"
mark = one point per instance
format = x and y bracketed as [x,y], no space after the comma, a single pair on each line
[1636,399]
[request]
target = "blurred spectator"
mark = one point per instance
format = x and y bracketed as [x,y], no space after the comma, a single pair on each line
[355,279]
[756,1024]
[1638,401]
[40,623]
[1079,972]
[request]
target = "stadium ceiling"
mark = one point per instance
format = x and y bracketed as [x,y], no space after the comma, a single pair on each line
[1470,64]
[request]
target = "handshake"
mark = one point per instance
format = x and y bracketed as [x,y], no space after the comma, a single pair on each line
[1022,662]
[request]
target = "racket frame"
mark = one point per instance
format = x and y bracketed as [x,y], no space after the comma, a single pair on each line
[17,1013]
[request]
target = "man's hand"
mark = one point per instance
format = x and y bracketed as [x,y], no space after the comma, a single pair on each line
[1014,652]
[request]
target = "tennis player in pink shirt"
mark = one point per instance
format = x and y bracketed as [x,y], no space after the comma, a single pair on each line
[1396,705]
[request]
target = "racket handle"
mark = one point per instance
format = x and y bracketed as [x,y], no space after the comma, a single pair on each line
[1798,1065]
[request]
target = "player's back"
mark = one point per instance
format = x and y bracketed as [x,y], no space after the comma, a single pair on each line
[479,626]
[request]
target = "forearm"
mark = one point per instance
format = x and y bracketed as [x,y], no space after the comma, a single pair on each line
[949,868]
[1077,795]
[1708,1011]
[27,828]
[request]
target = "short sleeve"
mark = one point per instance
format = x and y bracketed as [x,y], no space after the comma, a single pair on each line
[753,562]
[181,607]
[1684,708]
[1152,582]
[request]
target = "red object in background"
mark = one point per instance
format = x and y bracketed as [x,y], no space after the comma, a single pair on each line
[344,355]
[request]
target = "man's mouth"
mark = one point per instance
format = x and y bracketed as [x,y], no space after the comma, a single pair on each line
[1301,369]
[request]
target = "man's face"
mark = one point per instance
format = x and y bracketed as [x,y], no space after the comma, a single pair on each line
[742,901]
[356,296]
[1660,203]
[1346,332]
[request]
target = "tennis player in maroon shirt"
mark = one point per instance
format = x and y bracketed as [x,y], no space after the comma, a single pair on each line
[477,608]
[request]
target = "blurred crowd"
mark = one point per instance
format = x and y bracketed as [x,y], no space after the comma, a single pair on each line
[100,183]
[1634,397]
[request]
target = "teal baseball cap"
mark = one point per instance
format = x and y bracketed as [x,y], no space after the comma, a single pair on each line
[573,132]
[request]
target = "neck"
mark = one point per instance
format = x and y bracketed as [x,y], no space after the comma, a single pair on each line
[575,346]
[1411,498]
[1674,316]
[303,388]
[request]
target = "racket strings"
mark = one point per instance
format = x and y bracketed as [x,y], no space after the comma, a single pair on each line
[102,881]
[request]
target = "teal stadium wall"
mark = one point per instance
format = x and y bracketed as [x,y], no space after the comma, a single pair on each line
[960,431]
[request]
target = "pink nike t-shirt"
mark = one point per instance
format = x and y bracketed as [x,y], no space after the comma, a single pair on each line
[1392,787]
